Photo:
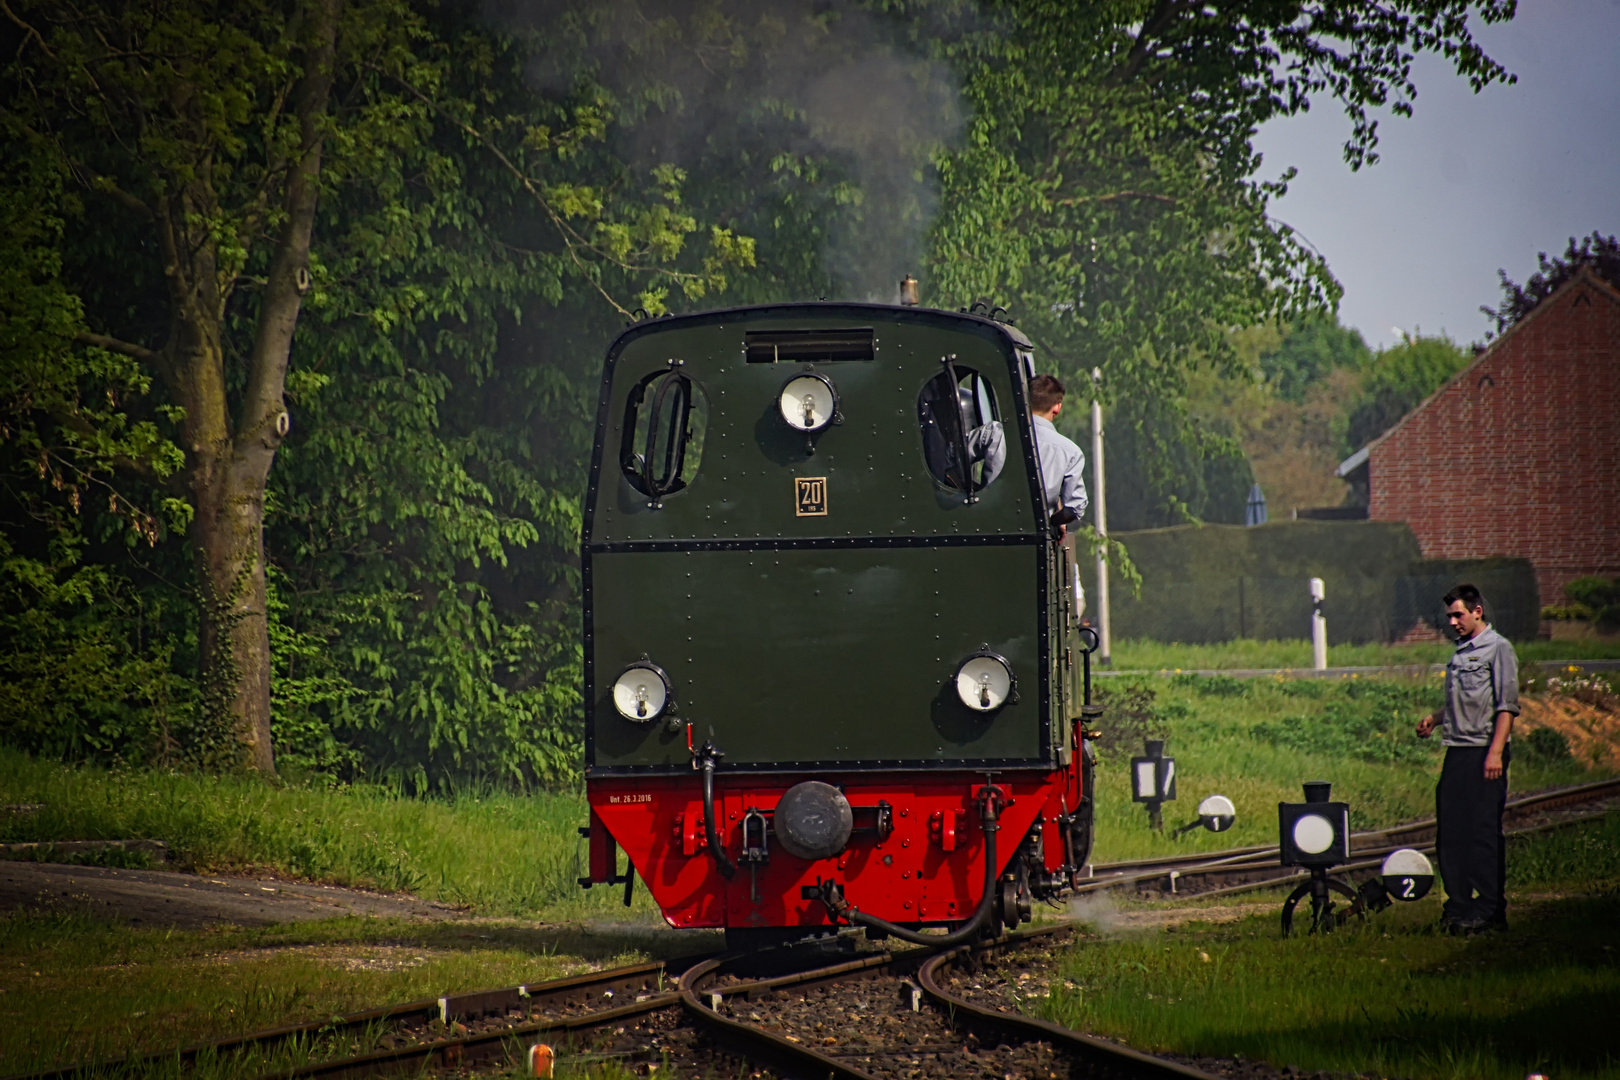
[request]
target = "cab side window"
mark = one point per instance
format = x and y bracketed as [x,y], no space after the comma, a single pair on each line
[963,442]
[665,417]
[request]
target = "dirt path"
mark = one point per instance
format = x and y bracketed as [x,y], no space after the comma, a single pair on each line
[166,898]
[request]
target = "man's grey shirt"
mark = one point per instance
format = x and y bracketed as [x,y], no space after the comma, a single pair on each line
[1063,468]
[1063,464]
[1482,679]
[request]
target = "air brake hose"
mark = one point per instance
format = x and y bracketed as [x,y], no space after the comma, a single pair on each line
[989,814]
[706,757]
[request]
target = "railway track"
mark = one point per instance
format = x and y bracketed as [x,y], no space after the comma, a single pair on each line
[906,1017]
[898,1014]
[409,1024]
[1239,870]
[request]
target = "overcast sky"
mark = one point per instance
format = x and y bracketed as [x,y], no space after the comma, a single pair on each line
[1471,182]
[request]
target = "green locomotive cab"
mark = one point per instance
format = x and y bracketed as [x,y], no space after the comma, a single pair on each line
[816,552]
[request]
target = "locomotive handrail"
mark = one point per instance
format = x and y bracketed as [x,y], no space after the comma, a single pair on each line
[961,427]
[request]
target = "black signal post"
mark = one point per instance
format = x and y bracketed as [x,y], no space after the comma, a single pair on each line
[1153,781]
[1315,834]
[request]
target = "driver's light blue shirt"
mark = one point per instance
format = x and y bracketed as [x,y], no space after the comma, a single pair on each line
[1063,464]
[1063,468]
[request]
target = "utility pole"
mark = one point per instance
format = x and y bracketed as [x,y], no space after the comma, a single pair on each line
[1100,516]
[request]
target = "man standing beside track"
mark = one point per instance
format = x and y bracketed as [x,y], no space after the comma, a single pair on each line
[1482,698]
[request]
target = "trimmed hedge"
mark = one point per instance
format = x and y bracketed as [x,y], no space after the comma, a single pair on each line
[1206,583]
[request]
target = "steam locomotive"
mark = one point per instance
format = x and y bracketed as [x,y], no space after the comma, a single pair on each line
[834,668]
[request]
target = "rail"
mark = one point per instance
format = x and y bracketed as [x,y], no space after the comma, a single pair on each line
[1236,870]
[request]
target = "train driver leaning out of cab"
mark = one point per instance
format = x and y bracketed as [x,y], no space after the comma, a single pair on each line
[1063,464]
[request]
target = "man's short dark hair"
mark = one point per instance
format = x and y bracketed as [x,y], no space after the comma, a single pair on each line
[1471,597]
[1045,391]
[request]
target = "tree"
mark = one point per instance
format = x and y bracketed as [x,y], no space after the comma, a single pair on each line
[1106,188]
[1310,349]
[1396,380]
[217,132]
[1601,253]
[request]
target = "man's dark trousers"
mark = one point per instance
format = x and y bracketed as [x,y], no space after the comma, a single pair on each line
[1473,856]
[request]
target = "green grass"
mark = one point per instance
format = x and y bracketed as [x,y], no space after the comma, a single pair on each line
[511,855]
[1390,997]
[94,989]
[1355,732]
[1134,654]
[500,853]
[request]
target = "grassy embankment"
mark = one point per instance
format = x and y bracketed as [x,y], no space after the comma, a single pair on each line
[508,856]
[1139,655]
[1390,998]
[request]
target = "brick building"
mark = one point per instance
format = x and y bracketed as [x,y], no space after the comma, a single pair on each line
[1519,454]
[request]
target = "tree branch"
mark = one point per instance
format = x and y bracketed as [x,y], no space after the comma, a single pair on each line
[28,31]
[1152,27]
[1116,195]
[112,344]
[289,265]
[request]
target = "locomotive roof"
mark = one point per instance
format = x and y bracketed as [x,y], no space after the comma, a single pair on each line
[821,308]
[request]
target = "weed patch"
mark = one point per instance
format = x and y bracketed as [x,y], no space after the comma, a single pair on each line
[1368,720]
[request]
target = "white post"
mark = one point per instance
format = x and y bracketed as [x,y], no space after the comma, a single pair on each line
[1318,626]
[1100,516]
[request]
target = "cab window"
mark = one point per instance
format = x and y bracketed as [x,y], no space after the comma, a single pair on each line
[963,441]
[665,417]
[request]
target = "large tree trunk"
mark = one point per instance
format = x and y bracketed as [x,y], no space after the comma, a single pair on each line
[227,535]
[229,459]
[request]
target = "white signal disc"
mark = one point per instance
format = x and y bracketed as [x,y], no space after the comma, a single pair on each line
[1313,834]
[1407,863]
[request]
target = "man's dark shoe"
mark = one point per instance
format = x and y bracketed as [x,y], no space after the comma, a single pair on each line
[1471,927]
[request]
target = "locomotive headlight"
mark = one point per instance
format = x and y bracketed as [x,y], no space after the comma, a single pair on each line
[985,681]
[809,402]
[642,692]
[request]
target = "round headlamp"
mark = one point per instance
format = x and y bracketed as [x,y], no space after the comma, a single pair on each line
[1313,834]
[985,682]
[809,402]
[642,692]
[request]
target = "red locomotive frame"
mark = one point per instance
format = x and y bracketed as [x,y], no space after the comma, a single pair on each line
[926,867]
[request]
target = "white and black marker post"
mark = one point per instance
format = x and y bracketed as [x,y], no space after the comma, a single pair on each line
[1318,626]
[1105,648]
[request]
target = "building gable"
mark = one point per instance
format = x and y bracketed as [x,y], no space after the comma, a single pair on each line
[1519,453]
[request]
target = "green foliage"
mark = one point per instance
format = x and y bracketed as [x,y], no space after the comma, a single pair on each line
[1398,379]
[501,852]
[1600,596]
[1311,349]
[1368,720]
[1543,742]
[495,197]
[1208,479]
[1597,252]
